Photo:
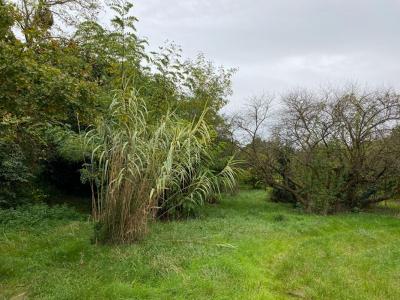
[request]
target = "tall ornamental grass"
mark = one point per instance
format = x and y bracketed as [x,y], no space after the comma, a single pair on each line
[140,169]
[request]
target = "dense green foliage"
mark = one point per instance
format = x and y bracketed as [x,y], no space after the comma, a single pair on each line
[36,215]
[54,85]
[243,248]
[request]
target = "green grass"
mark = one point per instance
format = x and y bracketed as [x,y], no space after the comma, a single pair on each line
[242,248]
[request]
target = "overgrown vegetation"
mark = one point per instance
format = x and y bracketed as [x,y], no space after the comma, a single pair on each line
[37,215]
[331,151]
[90,117]
[55,85]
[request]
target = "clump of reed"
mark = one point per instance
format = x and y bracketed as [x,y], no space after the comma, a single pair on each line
[141,170]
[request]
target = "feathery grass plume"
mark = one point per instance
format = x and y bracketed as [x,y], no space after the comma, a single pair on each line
[140,168]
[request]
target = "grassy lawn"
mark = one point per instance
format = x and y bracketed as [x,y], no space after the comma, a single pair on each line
[242,248]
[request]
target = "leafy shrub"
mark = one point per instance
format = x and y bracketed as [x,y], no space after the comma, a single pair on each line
[36,214]
[14,175]
[250,178]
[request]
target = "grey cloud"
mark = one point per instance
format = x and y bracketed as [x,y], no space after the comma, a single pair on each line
[278,44]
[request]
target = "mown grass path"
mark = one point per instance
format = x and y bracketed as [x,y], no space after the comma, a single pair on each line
[243,248]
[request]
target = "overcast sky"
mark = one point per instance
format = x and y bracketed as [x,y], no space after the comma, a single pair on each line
[282,44]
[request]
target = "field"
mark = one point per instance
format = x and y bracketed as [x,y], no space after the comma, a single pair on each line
[242,248]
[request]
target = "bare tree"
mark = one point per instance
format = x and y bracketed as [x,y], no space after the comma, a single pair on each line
[248,126]
[363,120]
[264,156]
[331,150]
